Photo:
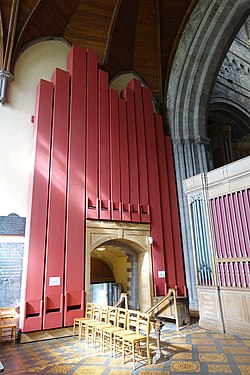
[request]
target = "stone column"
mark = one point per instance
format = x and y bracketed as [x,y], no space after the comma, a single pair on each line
[190,159]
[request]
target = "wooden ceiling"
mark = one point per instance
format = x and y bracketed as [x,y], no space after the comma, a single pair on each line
[128,35]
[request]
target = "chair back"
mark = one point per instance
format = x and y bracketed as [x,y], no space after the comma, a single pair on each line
[103,314]
[132,320]
[89,310]
[96,313]
[7,315]
[143,326]
[112,315]
[122,317]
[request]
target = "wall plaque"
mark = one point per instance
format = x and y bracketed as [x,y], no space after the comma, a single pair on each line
[12,224]
[161,274]
[54,281]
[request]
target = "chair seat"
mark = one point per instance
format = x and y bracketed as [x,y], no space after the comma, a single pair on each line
[135,337]
[124,332]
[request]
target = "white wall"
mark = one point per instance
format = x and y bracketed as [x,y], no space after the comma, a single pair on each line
[16,129]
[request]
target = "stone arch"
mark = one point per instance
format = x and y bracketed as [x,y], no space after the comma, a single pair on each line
[205,40]
[225,109]
[132,239]
[202,48]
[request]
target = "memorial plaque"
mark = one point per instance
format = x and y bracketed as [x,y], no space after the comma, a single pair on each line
[12,224]
[11,264]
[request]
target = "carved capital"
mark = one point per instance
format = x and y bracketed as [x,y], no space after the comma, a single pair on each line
[5,78]
[195,197]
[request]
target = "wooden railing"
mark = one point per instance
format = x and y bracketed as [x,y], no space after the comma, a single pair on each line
[156,320]
[123,298]
[155,310]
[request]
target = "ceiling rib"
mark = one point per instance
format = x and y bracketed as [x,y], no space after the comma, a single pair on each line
[11,35]
[110,31]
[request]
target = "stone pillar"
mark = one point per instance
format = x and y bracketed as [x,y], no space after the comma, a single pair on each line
[5,77]
[190,159]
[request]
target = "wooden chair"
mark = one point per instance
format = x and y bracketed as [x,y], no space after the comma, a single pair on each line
[132,318]
[83,323]
[131,344]
[88,315]
[111,322]
[7,324]
[91,325]
[108,332]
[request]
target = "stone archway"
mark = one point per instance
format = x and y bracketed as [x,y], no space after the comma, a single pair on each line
[133,240]
[206,39]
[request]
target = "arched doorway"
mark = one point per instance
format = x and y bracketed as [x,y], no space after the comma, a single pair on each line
[125,248]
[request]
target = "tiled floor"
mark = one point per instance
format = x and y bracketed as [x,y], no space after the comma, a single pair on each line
[189,351]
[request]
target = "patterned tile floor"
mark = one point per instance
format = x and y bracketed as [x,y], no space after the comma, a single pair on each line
[190,351]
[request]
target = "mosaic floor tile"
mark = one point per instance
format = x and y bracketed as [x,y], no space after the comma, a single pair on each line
[246,342]
[85,370]
[222,336]
[207,348]
[244,369]
[143,372]
[228,342]
[121,372]
[178,340]
[60,369]
[242,358]
[200,341]
[189,351]
[182,356]
[236,349]
[190,366]
[225,369]
[212,357]
[95,360]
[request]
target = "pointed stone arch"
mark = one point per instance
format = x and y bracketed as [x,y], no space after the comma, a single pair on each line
[202,48]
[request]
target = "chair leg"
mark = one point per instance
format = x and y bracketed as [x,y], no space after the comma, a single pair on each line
[110,344]
[123,351]
[14,334]
[148,353]
[133,354]
[80,332]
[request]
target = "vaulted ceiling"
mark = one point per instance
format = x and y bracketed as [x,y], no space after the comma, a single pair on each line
[129,35]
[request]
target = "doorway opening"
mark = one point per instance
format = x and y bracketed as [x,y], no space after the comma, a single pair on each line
[103,288]
[118,260]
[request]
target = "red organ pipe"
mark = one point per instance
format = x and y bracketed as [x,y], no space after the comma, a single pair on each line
[103,157]
[31,304]
[55,237]
[104,149]
[76,194]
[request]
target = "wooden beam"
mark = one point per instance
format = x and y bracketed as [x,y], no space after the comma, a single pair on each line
[1,41]
[11,35]
[110,32]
